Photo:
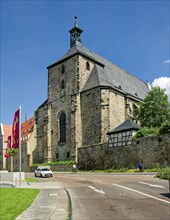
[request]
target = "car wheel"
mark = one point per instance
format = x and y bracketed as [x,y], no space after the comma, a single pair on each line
[35,175]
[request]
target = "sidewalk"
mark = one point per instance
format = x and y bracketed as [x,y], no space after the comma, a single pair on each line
[50,204]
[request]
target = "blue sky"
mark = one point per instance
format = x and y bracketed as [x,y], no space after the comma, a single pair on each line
[135,35]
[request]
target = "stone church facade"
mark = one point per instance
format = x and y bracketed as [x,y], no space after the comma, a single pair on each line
[87,97]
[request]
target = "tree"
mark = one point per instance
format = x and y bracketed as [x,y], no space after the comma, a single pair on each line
[165,127]
[154,110]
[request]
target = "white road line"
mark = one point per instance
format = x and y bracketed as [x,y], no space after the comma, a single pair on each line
[97,190]
[53,194]
[152,185]
[133,190]
[100,181]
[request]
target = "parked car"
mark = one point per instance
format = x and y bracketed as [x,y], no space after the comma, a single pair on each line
[43,172]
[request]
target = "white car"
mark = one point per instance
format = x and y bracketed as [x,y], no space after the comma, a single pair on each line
[43,172]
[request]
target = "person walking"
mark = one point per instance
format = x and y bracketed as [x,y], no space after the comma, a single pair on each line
[74,168]
[140,166]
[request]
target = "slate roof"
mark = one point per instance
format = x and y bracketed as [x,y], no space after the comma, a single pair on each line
[43,104]
[107,74]
[127,125]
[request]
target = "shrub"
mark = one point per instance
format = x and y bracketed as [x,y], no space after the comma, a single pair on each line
[56,163]
[144,132]
[12,151]
[164,173]
[165,128]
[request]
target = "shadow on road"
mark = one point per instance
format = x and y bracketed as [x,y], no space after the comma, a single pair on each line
[165,194]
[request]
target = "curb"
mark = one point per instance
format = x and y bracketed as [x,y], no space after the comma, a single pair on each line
[69,214]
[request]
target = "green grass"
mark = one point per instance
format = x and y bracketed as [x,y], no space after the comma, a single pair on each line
[13,201]
[31,180]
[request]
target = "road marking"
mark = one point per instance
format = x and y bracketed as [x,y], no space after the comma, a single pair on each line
[97,190]
[144,194]
[100,181]
[152,185]
[53,194]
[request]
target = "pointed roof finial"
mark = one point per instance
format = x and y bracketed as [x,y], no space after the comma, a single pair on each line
[75,24]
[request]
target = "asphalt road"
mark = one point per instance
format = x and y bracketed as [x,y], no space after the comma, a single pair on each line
[109,197]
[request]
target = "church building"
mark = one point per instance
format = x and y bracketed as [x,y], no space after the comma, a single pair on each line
[88,96]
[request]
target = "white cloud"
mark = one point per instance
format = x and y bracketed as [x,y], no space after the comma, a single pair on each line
[163,83]
[167,61]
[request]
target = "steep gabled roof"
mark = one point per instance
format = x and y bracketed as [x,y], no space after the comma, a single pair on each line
[27,129]
[78,49]
[127,125]
[43,104]
[105,73]
[98,77]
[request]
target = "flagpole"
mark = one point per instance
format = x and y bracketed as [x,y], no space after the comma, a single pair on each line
[11,159]
[20,145]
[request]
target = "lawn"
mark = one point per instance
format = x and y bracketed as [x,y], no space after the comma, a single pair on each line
[13,201]
[31,180]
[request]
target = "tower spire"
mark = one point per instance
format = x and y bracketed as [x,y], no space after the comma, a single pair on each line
[75,22]
[75,34]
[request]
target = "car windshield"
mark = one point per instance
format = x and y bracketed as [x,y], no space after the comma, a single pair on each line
[45,169]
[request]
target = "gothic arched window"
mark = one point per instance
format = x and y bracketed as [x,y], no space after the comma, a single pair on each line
[62,127]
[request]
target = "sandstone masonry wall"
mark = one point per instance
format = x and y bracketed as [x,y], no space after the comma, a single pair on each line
[150,150]
[64,96]
[117,109]
[91,117]
[41,119]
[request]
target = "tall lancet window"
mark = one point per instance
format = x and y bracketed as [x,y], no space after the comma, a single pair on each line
[62,127]
[87,66]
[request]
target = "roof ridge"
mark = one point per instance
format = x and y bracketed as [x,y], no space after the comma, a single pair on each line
[126,125]
[112,74]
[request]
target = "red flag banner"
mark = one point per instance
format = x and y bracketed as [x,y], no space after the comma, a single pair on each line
[15,130]
[8,146]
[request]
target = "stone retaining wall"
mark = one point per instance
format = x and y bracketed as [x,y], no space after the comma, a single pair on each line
[151,151]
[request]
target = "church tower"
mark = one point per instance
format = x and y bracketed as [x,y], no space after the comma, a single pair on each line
[75,34]
[87,97]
